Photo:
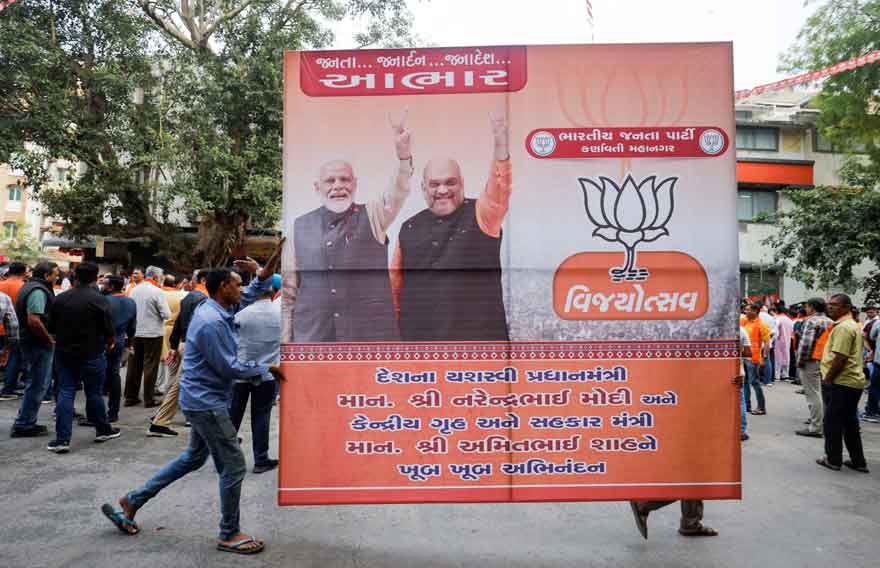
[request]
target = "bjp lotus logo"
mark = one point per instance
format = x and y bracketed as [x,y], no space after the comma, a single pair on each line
[629,214]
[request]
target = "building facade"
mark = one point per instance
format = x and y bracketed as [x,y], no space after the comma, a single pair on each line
[778,147]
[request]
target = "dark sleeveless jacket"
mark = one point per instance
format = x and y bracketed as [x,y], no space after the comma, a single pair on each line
[30,285]
[451,280]
[344,291]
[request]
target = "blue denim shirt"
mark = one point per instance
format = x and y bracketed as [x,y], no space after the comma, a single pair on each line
[210,361]
[124,313]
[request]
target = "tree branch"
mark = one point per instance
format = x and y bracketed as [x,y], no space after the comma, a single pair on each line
[291,14]
[224,18]
[167,26]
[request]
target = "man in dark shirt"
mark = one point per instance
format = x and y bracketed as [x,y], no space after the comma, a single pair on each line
[83,328]
[123,310]
[160,425]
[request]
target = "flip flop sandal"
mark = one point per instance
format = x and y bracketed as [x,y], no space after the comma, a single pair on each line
[119,519]
[236,547]
[825,463]
[698,531]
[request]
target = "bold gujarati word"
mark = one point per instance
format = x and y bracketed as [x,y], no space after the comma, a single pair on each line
[503,444]
[392,423]
[580,298]
[540,466]
[597,374]
[419,471]
[431,398]
[364,401]
[562,422]
[366,447]
[646,443]
[470,471]
[601,397]
[505,375]
[384,376]
[480,398]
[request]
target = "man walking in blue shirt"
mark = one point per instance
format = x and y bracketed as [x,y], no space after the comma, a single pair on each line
[210,368]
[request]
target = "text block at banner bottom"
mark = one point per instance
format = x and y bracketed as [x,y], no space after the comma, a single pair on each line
[632,422]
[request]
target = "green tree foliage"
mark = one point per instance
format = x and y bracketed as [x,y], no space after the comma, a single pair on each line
[23,246]
[832,230]
[173,106]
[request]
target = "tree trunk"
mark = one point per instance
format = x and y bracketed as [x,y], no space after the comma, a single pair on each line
[219,234]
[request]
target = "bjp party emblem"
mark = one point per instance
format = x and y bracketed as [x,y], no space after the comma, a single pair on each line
[648,285]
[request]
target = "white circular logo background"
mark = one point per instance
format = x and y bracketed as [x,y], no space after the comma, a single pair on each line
[712,142]
[542,143]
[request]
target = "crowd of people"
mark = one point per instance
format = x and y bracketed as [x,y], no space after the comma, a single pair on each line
[180,342]
[831,352]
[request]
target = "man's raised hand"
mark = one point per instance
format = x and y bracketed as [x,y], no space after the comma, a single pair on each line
[402,139]
[500,135]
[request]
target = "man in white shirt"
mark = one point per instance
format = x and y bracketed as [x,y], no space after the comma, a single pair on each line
[152,311]
[259,339]
[770,321]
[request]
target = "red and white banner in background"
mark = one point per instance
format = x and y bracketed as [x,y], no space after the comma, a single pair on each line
[812,76]
[6,3]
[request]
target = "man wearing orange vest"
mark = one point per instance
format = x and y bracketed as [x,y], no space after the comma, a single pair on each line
[759,336]
[814,335]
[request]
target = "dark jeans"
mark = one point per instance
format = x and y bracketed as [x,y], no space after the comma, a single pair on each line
[13,370]
[74,371]
[768,368]
[873,404]
[753,381]
[262,396]
[145,360]
[212,433]
[842,424]
[38,361]
[114,381]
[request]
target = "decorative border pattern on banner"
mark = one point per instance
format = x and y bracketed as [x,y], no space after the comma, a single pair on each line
[354,352]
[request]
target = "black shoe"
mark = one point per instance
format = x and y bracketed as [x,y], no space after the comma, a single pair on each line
[112,419]
[743,437]
[808,433]
[83,421]
[847,463]
[156,431]
[10,396]
[58,447]
[30,432]
[131,402]
[264,467]
[187,424]
[113,433]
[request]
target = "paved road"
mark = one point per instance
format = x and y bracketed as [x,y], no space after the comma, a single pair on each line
[793,514]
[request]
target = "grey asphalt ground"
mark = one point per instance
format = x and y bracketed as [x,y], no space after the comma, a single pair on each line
[793,513]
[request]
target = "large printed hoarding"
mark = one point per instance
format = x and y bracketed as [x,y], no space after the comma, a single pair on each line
[510,275]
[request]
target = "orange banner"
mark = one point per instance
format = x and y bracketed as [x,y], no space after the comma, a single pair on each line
[570,427]
[512,276]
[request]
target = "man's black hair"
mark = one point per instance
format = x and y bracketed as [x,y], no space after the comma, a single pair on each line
[116,283]
[17,268]
[86,273]
[818,304]
[201,274]
[43,269]
[757,306]
[216,278]
[844,299]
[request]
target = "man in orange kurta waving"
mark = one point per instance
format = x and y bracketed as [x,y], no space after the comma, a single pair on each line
[446,271]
